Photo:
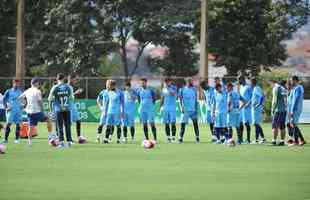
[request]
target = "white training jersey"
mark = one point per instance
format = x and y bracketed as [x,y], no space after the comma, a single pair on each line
[34,99]
[1,101]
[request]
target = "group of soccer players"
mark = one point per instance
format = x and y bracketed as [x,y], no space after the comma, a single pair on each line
[228,106]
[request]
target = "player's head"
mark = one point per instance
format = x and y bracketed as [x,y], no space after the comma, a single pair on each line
[241,80]
[72,78]
[35,82]
[218,87]
[112,85]
[289,84]
[107,84]
[15,83]
[190,82]
[60,78]
[230,86]
[217,80]
[127,85]
[204,85]
[295,80]
[253,82]
[143,82]
[283,83]
[168,81]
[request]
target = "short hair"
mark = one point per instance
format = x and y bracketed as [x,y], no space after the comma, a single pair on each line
[143,79]
[217,86]
[283,83]
[16,80]
[230,84]
[295,78]
[73,75]
[112,82]
[128,84]
[254,81]
[60,77]
[168,79]
[241,79]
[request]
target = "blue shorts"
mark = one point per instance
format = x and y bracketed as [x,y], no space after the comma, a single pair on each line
[246,115]
[257,115]
[103,119]
[14,117]
[129,119]
[208,117]
[295,117]
[147,116]
[188,115]
[113,119]
[169,117]
[75,115]
[2,115]
[34,118]
[233,119]
[220,120]
[279,120]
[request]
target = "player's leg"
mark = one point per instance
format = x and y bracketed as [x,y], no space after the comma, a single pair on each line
[151,120]
[60,125]
[194,118]
[78,128]
[300,135]
[109,128]
[230,132]
[247,115]
[166,121]
[132,133]
[102,122]
[282,118]
[248,132]
[7,131]
[173,119]
[132,126]
[154,131]
[117,123]
[146,131]
[67,120]
[184,121]
[125,126]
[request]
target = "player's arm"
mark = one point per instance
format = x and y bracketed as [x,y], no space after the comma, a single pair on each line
[196,100]
[229,103]
[99,100]
[22,99]
[296,99]
[181,101]
[122,100]
[6,100]
[153,96]
[51,98]
[274,100]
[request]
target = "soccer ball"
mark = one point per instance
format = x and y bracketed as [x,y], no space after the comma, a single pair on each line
[53,140]
[231,142]
[82,140]
[148,144]
[2,149]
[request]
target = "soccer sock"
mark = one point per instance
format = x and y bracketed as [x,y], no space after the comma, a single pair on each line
[218,133]
[17,130]
[241,129]
[212,128]
[196,128]
[146,130]
[78,128]
[295,133]
[125,131]
[173,129]
[290,131]
[238,134]
[154,131]
[7,131]
[261,132]
[182,130]
[132,132]
[167,129]
[119,132]
[99,129]
[257,132]
[248,131]
[112,131]
[230,133]
[108,132]
[300,134]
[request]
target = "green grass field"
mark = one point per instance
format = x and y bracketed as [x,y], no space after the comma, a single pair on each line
[171,171]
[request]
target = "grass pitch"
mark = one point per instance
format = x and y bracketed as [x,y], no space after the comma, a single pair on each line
[171,171]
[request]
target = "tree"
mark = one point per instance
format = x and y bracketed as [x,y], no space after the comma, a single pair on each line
[247,35]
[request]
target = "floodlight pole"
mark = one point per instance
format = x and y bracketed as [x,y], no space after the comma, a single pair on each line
[203,69]
[20,41]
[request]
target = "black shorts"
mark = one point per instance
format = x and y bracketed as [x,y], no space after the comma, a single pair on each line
[278,120]
[2,115]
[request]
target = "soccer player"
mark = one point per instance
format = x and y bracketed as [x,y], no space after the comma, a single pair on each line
[34,108]
[13,110]
[61,97]
[295,110]
[189,108]
[101,101]
[219,113]
[246,95]
[2,112]
[114,111]
[257,103]
[233,115]
[147,98]
[130,98]
[208,96]
[290,130]
[75,117]
[168,107]
[278,112]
